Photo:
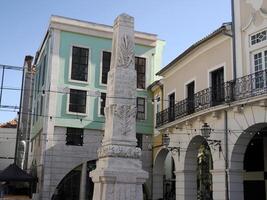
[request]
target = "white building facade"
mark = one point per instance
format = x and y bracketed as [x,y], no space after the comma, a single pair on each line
[211,105]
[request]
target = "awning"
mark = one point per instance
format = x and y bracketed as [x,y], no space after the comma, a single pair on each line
[14,173]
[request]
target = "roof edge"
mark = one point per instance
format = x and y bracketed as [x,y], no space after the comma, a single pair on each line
[223,28]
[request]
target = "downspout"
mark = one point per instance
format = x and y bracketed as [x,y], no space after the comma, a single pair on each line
[225,111]
[234,40]
[19,117]
[29,112]
[226,154]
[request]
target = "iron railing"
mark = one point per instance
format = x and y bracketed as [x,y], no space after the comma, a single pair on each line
[241,88]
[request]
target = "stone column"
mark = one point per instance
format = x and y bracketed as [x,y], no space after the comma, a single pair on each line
[157,190]
[218,184]
[83,181]
[236,190]
[119,174]
[186,184]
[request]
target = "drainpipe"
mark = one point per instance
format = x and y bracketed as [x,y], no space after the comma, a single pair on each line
[19,117]
[234,39]
[226,154]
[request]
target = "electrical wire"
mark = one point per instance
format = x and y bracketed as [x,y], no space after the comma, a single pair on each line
[43,92]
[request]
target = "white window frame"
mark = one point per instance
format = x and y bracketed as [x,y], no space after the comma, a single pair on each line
[101,67]
[175,98]
[99,104]
[254,34]
[262,51]
[158,103]
[146,78]
[186,85]
[70,64]
[145,98]
[86,106]
[222,65]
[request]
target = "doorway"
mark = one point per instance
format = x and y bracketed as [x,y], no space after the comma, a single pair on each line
[191,97]
[171,107]
[217,86]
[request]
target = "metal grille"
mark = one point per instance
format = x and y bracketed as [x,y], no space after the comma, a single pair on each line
[244,87]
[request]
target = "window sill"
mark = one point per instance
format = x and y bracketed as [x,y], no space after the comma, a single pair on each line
[141,90]
[76,81]
[77,114]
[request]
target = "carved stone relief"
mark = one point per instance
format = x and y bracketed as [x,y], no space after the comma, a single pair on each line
[119,151]
[126,52]
[256,4]
[126,115]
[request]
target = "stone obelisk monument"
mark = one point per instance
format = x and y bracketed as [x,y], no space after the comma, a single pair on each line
[118,174]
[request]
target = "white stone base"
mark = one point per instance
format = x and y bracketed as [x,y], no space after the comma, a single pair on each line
[118,179]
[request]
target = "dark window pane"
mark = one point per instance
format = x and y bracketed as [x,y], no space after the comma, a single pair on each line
[77,101]
[106,57]
[74,136]
[140,66]
[140,108]
[43,70]
[102,103]
[139,140]
[79,68]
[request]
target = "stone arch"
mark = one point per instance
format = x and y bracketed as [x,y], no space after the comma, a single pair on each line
[190,167]
[73,173]
[240,146]
[236,160]
[158,172]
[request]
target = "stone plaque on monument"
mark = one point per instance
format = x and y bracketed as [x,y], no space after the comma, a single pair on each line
[119,174]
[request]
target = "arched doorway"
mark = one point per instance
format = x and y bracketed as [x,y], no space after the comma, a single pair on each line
[163,176]
[204,176]
[254,167]
[197,173]
[69,187]
[247,174]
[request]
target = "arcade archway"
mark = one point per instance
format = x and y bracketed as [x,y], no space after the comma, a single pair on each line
[163,176]
[197,173]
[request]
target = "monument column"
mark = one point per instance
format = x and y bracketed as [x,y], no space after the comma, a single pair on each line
[118,174]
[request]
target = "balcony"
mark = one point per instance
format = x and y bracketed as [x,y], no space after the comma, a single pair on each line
[242,88]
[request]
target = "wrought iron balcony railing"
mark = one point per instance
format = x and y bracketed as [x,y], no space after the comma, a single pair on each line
[242,88]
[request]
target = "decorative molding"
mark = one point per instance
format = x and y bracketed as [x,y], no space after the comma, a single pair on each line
[252,19]
[263,12]
[126,52]
[256,4]
[119,151]
[126,115]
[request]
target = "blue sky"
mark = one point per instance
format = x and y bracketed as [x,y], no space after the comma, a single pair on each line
[179,22]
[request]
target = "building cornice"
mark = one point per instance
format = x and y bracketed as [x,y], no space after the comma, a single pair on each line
[98,30]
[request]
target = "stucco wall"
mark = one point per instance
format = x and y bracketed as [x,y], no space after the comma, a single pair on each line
[7,146]
[196,67]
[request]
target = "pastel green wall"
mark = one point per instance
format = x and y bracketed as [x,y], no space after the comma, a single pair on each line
[96,45]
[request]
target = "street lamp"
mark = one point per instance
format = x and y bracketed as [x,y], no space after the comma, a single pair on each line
[205,130]
[166,142]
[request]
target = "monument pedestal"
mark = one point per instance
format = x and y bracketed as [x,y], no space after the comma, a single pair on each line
[122,182]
